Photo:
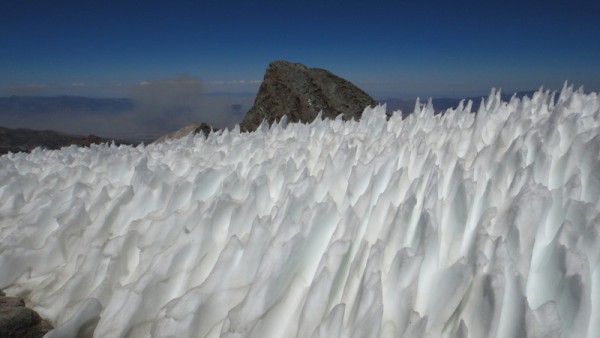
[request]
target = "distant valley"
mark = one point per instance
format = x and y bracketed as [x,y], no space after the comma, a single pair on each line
[120,118]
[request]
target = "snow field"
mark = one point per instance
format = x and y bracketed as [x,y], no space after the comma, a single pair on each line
[454,225]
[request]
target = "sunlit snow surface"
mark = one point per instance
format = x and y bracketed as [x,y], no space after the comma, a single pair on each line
[458,225]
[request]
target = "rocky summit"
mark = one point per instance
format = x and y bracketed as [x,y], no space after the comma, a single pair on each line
[301,93]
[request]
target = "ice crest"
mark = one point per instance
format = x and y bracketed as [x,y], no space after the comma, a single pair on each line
[447,225]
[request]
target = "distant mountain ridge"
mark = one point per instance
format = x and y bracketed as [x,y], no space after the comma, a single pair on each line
[25,140]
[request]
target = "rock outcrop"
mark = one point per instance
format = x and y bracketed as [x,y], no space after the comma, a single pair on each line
[185,131]
[18,321]
[301,93]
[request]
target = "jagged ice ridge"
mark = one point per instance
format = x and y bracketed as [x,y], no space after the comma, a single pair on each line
[451,225]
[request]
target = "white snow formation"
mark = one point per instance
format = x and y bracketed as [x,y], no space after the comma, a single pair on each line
[453,225]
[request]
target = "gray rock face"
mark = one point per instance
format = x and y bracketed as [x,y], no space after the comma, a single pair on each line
[18,321]
[301,93]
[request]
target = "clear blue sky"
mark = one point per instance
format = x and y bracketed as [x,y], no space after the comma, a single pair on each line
[394,48]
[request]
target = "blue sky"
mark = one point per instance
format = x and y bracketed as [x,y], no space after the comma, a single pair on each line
[389,48]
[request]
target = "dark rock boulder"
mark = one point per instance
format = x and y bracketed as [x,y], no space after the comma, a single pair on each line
[18,321]
[301,93]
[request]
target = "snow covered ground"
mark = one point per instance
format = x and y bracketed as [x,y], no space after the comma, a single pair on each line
[458,225]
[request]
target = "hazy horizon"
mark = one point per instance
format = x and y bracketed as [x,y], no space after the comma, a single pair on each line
[187,83]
